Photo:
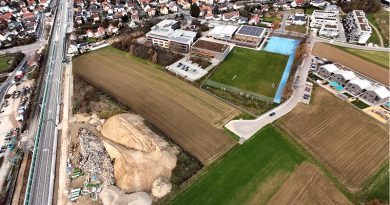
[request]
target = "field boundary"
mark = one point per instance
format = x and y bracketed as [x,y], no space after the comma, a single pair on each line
[239,91]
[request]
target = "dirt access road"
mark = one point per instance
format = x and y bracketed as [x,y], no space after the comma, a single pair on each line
[189,116]
[353,62]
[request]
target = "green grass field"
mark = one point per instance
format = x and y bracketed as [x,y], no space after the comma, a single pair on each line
[296,28]
[4,63]
[377,57]
[255,71]
[379,188]
[381,21]
[250,173]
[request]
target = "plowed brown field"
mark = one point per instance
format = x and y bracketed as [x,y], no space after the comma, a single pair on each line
[307,185]
[192,118]
[353,62]
[346,141]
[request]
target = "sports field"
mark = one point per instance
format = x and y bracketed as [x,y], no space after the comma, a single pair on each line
[307,185]
[256,71]
[189,116]
[249,174]
[349,143]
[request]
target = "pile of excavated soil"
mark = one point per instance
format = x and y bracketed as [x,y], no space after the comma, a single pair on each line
[111,195]
[140,155]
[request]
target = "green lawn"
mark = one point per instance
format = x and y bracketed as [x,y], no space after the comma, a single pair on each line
[256,71]
[379,189]
[377,57]
[250,173]
[360,104]
[296,28]
[381,21]
[4,63]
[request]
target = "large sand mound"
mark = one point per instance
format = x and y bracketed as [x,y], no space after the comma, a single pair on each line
[141,156]
[111,195]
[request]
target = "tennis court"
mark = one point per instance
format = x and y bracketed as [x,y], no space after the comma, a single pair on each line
[283,46]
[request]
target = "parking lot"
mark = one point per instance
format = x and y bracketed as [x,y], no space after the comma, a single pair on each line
[187,69]
[307,93]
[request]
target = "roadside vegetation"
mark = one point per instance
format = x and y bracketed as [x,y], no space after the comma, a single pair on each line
[377,57]
[88,99]
[250,173]
[8,62]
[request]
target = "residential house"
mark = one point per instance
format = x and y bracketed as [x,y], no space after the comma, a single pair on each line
[318,3]
[231,16]
[342,76]
[164,10]
[90,33]
[172,7]
[357,85]
[254,20]
[327,70]
[112,30]
[299,19]
[376,94]
[101,31]
[238,5]
[243,20]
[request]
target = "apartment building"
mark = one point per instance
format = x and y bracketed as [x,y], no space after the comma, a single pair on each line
[357,28]
[167,34]
[329,30]
[321,17]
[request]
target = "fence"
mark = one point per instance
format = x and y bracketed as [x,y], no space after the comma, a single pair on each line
[238,91]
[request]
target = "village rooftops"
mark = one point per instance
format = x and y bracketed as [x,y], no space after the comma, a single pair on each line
[347,75]
[212,46]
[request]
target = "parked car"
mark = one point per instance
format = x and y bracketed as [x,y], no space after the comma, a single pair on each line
[272,114]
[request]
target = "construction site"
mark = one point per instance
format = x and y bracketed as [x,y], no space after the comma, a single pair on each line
[116,156]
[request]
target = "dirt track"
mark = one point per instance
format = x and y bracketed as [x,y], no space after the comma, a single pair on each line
[192,118]
[349,143]
[307,185]
[362,66]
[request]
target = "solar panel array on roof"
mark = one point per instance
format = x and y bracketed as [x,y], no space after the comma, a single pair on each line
[250,31]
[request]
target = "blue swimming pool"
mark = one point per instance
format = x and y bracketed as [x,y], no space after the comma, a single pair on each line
[283,46]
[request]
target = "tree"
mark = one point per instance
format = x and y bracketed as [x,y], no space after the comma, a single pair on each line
[368,6]
[215,10]
[276,24]
[194,10]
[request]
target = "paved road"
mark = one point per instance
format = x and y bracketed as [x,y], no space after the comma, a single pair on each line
[347,45]
[4,86]
[43,170]
[247,128]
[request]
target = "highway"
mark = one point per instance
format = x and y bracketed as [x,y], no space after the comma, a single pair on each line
[40,187]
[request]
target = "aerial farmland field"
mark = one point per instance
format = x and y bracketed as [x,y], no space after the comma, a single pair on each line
[189,116]
[256,71]
[349,143]
[307,185]
[249,174]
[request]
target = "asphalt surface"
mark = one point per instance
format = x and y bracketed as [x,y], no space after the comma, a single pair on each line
[42,186]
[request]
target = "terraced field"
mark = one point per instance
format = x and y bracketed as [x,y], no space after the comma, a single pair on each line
[349,143]
[189,116]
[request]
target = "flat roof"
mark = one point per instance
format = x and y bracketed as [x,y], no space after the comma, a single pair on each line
[251,31]
[212,46]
